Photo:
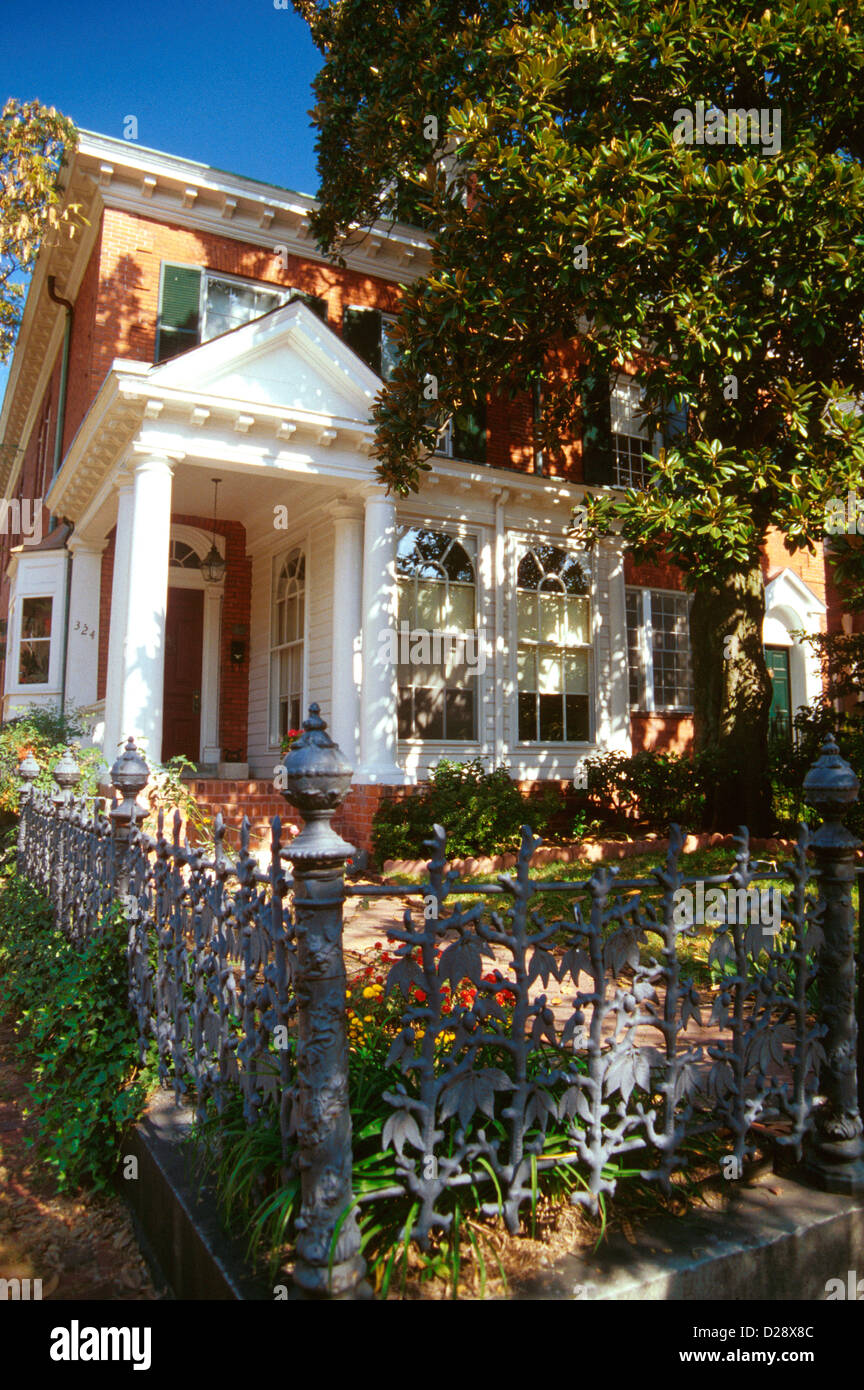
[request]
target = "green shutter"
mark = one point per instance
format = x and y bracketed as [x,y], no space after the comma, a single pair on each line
[361,330]
[469,432]
[312,301]
[598,455]
[180,310]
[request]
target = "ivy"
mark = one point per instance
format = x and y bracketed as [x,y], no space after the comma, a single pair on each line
[74,1031]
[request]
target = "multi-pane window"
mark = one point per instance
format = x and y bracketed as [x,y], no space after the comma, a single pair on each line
[629,434]
[34,651]
[286,646]
[554,647]
[658,649]
[437,636]
[229,304]
[197,305]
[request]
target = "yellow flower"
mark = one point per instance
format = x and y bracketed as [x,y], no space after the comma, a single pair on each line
[368,1018]
[372,991]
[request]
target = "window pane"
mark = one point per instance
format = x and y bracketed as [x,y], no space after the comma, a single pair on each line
[576,619]
[549,672]
[576,673]
[526,611]
[34,661]
[429,712]
[405,606]
[36,617]
[551,718]
[551,617]
[634,650]
[458,612]
[527,718]
[431,598]
[460,713]
[405,727]
[577,718]
[526,669]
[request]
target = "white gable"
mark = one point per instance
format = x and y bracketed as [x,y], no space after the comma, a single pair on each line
[288,358]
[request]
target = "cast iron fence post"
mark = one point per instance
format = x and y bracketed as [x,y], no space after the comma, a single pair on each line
[67,775]
[129,775]
[834,1158]
[28,771]
[317,779]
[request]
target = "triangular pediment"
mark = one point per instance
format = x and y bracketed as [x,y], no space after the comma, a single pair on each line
[288,358]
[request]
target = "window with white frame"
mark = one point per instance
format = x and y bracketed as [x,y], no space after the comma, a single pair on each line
[196,305]
[553,615]
[658,650]
[34,647]
[630,440]
[438,641]
[287,644]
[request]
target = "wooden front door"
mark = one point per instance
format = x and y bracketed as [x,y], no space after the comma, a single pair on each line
[181,698]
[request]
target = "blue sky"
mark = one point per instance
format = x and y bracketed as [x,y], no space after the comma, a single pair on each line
[227,82]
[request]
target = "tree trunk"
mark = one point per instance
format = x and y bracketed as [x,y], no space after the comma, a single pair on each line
[732,691]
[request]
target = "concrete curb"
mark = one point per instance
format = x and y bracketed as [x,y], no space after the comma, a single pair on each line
[777,1240]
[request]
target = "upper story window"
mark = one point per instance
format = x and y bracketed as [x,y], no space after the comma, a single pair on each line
[197,305]
[366,331]
[658,650]
[437,643]
[554,647]
[287,638]
[34,648]
[630,441]
[615,437]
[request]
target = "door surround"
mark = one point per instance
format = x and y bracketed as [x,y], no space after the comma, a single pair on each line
[209,752]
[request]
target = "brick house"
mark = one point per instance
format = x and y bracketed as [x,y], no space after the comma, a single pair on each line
[191,332]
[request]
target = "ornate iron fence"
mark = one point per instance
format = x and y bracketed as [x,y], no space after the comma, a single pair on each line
[237,974]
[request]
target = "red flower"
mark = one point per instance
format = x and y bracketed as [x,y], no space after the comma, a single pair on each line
[420,996]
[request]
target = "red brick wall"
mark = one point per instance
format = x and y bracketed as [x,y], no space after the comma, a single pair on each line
[133,249]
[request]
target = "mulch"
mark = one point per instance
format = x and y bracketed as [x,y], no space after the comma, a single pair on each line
[81,1244]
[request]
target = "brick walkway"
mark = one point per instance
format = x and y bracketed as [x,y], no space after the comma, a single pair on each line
[81,1245]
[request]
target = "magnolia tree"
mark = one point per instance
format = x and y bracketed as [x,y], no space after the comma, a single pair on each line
[35,143]
[674,187]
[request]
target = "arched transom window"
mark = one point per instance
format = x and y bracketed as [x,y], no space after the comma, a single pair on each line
[554,647]
[286,644]
[439,654]
[183,557]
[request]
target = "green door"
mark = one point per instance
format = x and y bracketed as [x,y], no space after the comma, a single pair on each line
[780,715]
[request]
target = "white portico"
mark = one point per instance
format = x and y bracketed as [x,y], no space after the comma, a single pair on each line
[319,565]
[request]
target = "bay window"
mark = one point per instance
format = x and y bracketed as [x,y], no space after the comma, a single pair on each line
[34,648]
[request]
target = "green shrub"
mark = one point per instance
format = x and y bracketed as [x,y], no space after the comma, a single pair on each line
[76,1032]
[47,734]
[655,788]
[483,813]
[791,761]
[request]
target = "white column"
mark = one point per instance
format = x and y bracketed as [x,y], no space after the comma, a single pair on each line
[613,705]
[143,665]
[82,654]
[117,629]
[347,656]
[379,685]
[210,748]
